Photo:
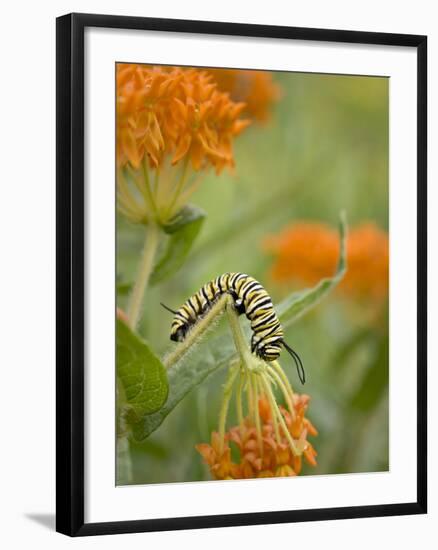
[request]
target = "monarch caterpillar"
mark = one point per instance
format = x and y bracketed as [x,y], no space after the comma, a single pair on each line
[249,298]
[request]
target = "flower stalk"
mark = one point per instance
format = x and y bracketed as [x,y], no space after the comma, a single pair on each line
[245,355]
[148,195]
[179,187]
[197,332]
[228,390]
[124,463]
[259,377]
[144,272]
[271,438]
[278,374]
[255,399]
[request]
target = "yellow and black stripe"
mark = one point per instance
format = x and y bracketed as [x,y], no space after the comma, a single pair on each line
[251,299]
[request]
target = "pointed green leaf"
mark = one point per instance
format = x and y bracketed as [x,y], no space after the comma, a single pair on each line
[185,375]
[218,351]
[141,374]
[187,215]
[182,230]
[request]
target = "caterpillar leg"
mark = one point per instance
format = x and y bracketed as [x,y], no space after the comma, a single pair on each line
[238,302]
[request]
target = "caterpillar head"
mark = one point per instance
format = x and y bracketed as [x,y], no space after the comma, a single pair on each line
[271,351]
[179,328]
[178,331]
[267,351]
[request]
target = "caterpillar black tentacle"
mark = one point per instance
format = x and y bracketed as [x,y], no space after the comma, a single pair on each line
[251,299]
[168,308]
[298,363]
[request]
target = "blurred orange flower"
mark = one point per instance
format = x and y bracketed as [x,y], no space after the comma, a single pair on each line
[255,88]
[273,458]
[174,111]
[368,262]
[308,251]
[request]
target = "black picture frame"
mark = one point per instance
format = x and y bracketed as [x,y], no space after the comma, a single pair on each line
[70,272]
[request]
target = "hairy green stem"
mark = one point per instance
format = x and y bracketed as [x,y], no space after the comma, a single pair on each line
[124,465]
[144,272]
[253,376]
[275,365]
[147,187]
[249,394]
[196,332]
[239,407]
[248,361]
[238,335]
[179,188]
[228,390]
[276,412]
[272,404]
[123,456]
[283,389]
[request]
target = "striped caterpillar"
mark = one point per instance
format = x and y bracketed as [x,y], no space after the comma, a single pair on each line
[249,298]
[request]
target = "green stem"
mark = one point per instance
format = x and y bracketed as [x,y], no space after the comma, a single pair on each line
[196,332]
[273,405]
[157,179]
[275,365]
[191,187]
[124,194]
[144,272]
[124,466]
[276,412]
[179,188]
[239,406]
[249,394]
[256,411]
[228,390]
[238,335]
[248,361]
[283,389]
[123,459]
[148,192]
[127,212]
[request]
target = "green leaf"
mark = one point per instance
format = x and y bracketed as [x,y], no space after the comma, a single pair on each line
[218,351]
[187,215]
[182,230]
[185,375]
[141,375]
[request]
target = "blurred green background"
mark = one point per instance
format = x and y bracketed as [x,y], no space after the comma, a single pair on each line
[325,149]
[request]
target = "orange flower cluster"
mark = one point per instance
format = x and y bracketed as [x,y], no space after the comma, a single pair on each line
[177,112]
[368,262]
[271,458]
[255,88]
[309,251]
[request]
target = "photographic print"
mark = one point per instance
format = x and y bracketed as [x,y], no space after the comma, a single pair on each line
[241,274]
[252,269]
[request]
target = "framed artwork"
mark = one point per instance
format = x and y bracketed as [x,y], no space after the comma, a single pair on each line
[241,274]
